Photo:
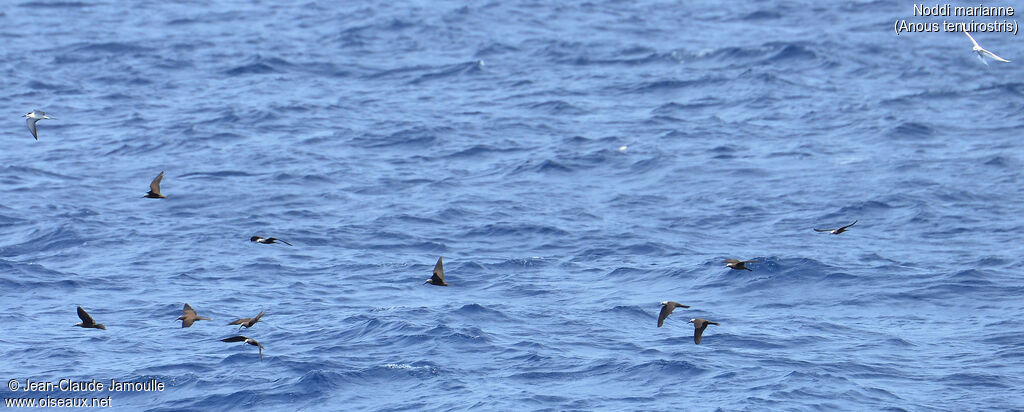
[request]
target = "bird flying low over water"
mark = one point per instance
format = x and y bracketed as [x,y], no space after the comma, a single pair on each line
[190,316]
[267,240]
[154,188]
[982,52]
[87,321]
[836,231]
[698,328]
[438,278]
[247,322]
[739,264]
[33,117]
[250,341]
[666,309]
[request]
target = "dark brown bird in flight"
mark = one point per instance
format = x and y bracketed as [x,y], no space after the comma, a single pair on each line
[739,264]
[250,341]
[154,188]
[247,322]
[698,328]
[87,321]
[666,309]
[438,278]
[190,316]
[836,231]
[267,240]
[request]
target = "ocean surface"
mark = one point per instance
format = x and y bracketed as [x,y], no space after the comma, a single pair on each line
[574,163]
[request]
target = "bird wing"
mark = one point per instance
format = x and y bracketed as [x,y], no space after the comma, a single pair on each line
[86,319]
[279,240]
[188,310]
[238,338]
[851,224]
[992,55]
[257,318]
[698,332]
[32,127]
[665,311]
[261,351]
[731,261]
[439,270]
[239,321]
[187,321]
[155,185]
[749,261]
[822,230]
[972,39]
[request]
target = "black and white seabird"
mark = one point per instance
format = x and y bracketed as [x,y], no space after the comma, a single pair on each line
[666,309]
[87,321]
[247,322]
[154,188]
[739,264]
[33,117]
[438,278]
[190,316]
[836,231]
[250,341]
[698,328]
[267,240]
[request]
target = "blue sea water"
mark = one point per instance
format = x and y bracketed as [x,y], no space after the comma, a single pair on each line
[574,163]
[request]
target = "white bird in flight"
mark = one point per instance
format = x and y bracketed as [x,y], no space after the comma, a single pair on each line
[31,119]
[982,52]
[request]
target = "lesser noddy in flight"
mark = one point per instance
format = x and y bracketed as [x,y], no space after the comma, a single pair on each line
[190,316]
[666,309]
[982,52]
[247,322]
[32,117]
[739,264]
[250,341]
[267,240]
[154,188]
[87,321]
[836,231]
[438,278]
[698,328]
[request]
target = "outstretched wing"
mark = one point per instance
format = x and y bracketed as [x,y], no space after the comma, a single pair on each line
[698,332]
[993,55]
[847,226]
[822,230]
[86,319]
[32,127]
[972,39]
[257,318]
[238,338]
[155,184]
[438,271]
[188,310]
[665,311]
